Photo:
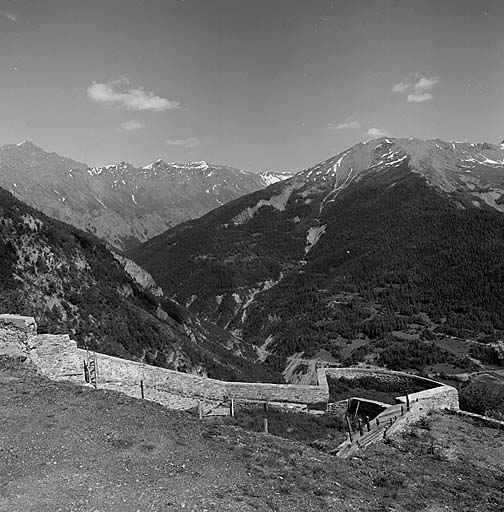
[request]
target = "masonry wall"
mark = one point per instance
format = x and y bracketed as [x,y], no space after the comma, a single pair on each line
[387,375]
[114,369]
[436,396]
[444,397]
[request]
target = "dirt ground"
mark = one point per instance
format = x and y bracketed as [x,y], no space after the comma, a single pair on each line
[69,448]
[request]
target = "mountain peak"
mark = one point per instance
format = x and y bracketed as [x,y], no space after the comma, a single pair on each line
[424,156]
[26,144]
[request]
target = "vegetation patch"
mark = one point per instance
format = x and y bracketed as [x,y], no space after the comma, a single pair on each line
[305,427]
[371,388]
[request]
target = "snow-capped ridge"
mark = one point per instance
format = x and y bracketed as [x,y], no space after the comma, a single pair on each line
[270,177]
[449,166]
[119,167]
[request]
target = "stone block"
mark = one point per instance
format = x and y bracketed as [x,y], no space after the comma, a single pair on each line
[25,323]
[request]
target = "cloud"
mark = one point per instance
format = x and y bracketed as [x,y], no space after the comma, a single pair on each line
[377,132]
[418,97]
[401,87]
[10,15]
[418,87]
[116,93]
[190,142]
[129,126]
[344,126]
[425,84]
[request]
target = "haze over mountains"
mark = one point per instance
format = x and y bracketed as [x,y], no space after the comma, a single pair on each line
[120,203]
[393,237]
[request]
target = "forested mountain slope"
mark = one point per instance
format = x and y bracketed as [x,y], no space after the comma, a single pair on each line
[389,236]
[71,283]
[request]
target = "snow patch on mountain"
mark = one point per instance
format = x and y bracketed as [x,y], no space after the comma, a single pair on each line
[269,178]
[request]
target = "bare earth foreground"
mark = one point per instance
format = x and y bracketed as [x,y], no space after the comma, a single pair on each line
[68,448]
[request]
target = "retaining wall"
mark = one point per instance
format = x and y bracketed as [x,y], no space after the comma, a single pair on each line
[421,403]
[485,420]
[114,369]
[436,396]
[58,357]
[387,375]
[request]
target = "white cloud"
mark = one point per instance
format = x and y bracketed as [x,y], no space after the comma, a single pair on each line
[377,132]
[129,126]
[401,87]
[417,86]
[190,142]
[116,93]
[343,126]
[10,15]
[425,84]
[418,97]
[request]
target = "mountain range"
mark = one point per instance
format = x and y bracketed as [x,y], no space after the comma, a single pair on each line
[121,203]
[379,254]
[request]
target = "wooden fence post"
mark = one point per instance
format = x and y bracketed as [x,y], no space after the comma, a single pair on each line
[200,410]
[86,371]
[142,388]
[266,425]
[407,402]
[232,409]
[361,430]
[96,370]
[349,426]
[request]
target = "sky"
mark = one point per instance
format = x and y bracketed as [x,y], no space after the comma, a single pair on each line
[256,84]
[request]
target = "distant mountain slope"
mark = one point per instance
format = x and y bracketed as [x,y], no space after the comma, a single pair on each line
[393,237]
[72,283]
[120,203]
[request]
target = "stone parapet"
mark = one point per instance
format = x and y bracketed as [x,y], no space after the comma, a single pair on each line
[24,323]
[115,369]
[388,375]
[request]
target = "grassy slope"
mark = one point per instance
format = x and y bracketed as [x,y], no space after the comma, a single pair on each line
[64,447]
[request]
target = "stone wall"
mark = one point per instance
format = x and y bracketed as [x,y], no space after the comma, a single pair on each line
[58,357]
[12,342]
[435,396]
[387,375]
[23,323]
[114,369]
[485,420]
